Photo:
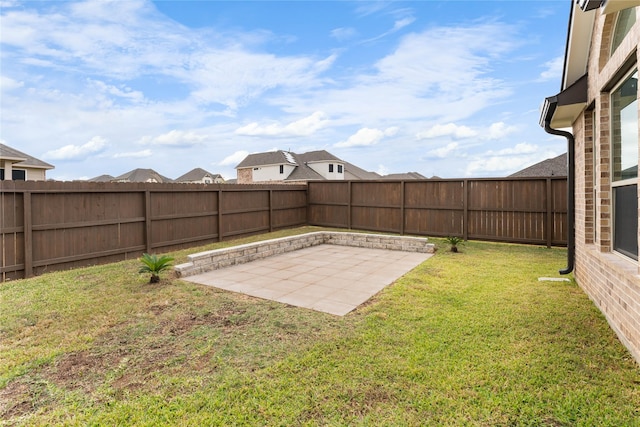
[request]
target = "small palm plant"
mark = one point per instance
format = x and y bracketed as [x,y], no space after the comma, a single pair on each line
[454,241]
[154,265]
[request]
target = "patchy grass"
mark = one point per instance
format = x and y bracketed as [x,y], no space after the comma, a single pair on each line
[464,339]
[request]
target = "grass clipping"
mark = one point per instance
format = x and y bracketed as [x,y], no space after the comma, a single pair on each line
[463,339]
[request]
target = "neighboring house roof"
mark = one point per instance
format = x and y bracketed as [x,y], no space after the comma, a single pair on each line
[197,174]
[21,159]
[360,173]
[556,166]
[102,178]
[142,175]
[303,172]
[404,176]
[318,156]
[268,158]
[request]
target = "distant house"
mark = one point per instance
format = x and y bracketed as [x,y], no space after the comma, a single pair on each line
[200,176]
[284,166]
[18,166]
[142,175]
[556,166]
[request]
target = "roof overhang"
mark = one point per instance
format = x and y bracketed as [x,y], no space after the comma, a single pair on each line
[608,6]
[561,110]
[578,44]
[611,6]
[12,159]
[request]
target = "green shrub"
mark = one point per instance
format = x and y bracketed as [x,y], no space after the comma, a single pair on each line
[454,241]
[154,265]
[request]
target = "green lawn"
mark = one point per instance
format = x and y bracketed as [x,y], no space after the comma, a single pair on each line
[471,338]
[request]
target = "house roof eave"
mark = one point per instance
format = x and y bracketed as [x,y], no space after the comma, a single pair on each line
[561,110]
[578,44]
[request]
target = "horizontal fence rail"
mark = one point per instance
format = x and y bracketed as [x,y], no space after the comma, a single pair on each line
[46,226]
[523,210]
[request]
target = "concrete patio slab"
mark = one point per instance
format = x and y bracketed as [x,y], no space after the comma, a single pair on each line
[328,278]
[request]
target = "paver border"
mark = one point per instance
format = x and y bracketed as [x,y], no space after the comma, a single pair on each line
[202,262]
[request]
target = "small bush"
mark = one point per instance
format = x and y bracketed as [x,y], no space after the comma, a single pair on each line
[454,241]
[154,265]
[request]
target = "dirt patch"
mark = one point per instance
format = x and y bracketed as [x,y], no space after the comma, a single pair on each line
[130,353]
[15,400]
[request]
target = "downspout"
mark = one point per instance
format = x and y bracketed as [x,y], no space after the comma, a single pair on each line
[571,234]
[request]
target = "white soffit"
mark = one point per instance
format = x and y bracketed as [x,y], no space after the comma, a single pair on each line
[565,115]
[578,45]
[612,6]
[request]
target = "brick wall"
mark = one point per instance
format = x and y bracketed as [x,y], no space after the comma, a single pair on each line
[245,176]
[609,279]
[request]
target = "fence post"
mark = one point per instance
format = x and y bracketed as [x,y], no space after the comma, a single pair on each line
[219,215]
[349,206]
[402,202]
[548,222]
[465,205]
[28,235]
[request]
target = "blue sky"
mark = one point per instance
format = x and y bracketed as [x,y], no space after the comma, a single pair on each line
[446,88]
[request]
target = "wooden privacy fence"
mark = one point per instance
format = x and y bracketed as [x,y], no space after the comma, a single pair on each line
[47,226]
[524,210]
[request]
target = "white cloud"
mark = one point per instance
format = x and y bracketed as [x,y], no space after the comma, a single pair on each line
[521,148]
[366,136]
[443,152]
[122,91]
[342,34]
[401,23]
[496,165]
[74,152]
[234,159]
[553,69]
[303,127]
[7,84]
[450,129]
[134,154]
[382,170]
[504,161]
[498,130]
[175,138]
[397,26]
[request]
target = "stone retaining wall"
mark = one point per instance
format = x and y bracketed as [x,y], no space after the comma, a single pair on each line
[219,258]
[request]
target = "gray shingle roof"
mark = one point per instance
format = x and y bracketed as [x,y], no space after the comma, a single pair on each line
[102,178]
[317,156]
[262,159]
[360,173]
[556,166]
[142,175]
[26,160]
[404,176]
[196,175]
